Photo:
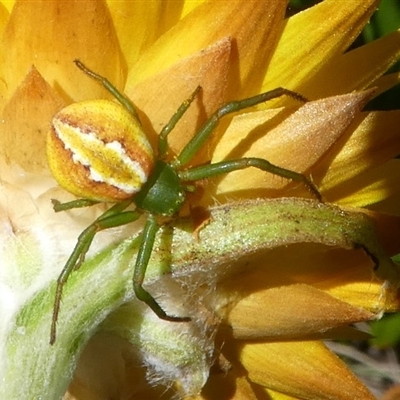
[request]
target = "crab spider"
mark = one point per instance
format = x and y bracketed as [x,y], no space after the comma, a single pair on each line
[98,150]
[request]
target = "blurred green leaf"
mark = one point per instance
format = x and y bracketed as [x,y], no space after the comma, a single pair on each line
[385,20]
[386,331]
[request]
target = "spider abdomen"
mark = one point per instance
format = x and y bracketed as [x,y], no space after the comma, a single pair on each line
[98,150]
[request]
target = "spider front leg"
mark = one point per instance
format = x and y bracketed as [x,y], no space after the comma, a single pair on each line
[115,216]
[224,167]
[162,137]
[123,100]
[198,140]
[146,247]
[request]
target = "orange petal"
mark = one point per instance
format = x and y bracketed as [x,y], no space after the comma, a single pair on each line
[347,275]
[244,390]
[306,370]
[291,311]
[388,228]
[297,143]
[229,383]
[51,34]
[160,96]
[26,120]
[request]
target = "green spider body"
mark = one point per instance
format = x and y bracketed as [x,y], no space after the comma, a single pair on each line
[98,150]
[163,193]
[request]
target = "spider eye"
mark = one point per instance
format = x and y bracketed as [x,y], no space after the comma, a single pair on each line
[98,150]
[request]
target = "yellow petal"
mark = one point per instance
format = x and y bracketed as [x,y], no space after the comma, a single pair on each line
[189,6]
[138,24]
[386,82]
[390,204]
[8,4]
[4,16]
[297,143]
[273,395]
[371,186]
[334,26]
[50,35]
[356,69]
[291,311]
[254,26]
[306,370]
[26,120]
[374,141]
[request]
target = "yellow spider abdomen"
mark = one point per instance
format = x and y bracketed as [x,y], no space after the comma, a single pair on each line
[96,149]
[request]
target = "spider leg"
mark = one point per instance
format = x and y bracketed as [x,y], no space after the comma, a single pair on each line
[197,141]
[162,138]
[125,102]
[115,216]
[148,236]
[224,167]
[69,205]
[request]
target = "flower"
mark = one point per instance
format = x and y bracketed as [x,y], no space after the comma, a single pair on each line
[253,342]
